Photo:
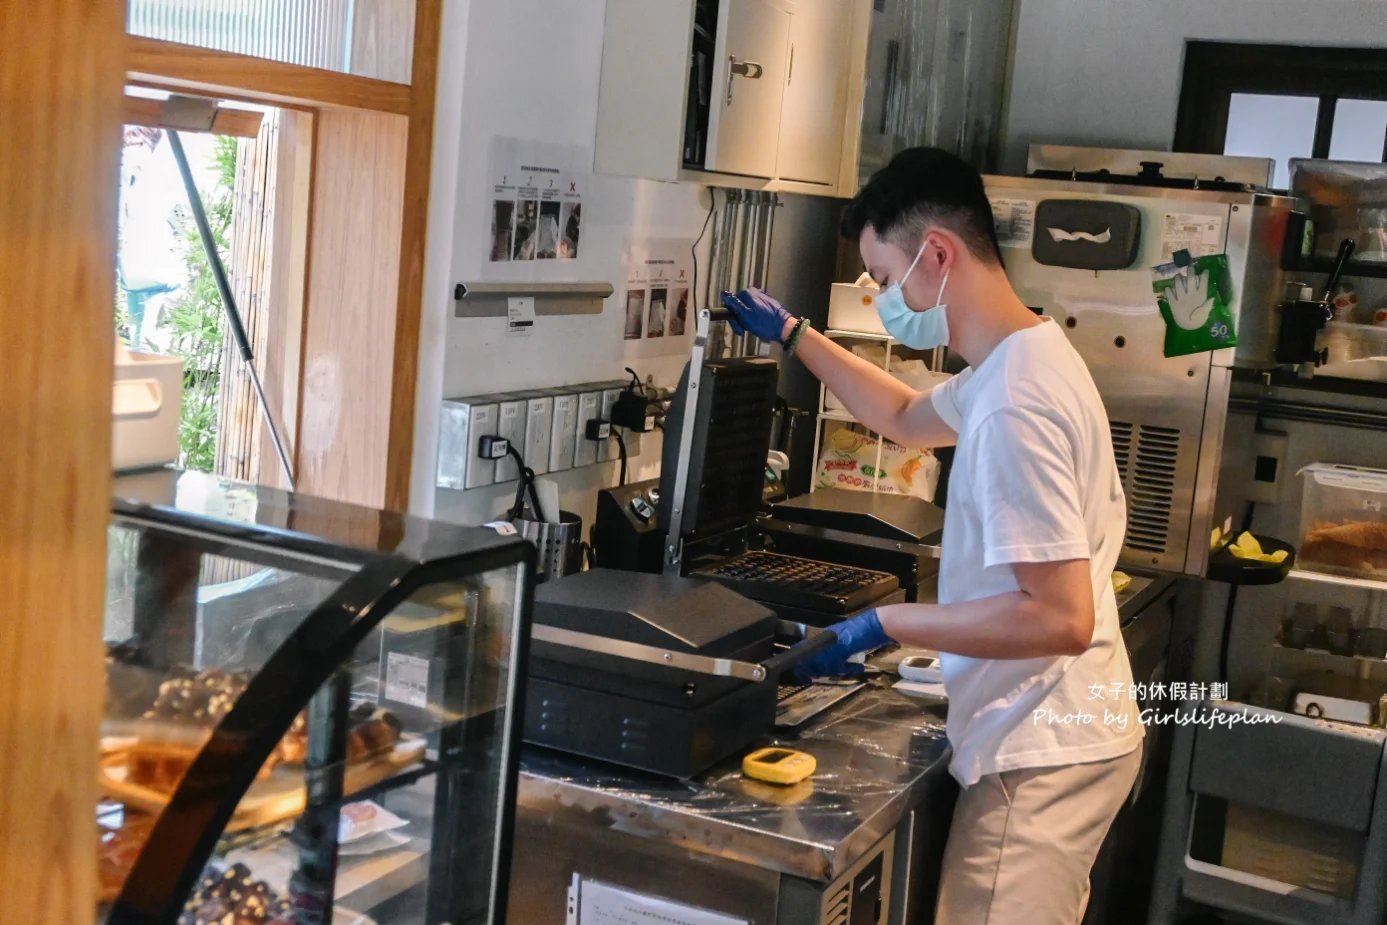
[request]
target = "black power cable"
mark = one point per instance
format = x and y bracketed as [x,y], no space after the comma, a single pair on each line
[712,206]
[527,483]
[621,449]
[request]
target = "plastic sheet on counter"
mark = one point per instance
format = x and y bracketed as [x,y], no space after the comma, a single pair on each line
[874,753]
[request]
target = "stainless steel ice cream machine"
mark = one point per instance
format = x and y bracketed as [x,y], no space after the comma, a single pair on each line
[1082,237]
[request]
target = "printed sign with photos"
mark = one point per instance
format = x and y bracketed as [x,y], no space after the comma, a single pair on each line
[536,200]
[659,290]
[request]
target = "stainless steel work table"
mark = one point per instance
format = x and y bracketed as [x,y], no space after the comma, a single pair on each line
[722,842]
[874,753]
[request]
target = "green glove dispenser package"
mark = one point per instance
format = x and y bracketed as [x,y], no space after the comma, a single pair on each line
[1194,295]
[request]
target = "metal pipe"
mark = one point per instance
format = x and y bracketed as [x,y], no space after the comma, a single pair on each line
[751,251]
[752,245]
[727,238]
[740,343]
[233,315]
[765,235]
[714,251]
[744,240]
[767,239]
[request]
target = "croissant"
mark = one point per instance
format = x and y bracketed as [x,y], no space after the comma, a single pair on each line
[1360,533]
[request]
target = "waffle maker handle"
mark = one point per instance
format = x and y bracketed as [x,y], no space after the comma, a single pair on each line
[812,641]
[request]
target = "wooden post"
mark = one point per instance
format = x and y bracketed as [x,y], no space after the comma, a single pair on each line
[61,71]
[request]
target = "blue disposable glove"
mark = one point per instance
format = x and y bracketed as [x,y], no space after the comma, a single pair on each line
[756,313]
[863,633]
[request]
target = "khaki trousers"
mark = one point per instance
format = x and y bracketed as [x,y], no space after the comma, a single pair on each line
[1023,842]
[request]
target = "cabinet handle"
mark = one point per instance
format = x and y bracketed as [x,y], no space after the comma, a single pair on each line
[791,77]
[748,69]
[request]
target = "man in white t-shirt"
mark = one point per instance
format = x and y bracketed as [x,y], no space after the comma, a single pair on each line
[1046,742]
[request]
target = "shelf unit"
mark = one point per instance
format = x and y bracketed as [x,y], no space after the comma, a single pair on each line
[826,415]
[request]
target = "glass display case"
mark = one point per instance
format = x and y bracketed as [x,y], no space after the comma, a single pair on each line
[312,710]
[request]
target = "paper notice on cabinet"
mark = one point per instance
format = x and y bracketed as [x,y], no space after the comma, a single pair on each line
[593,903]
[1201,235]
[1015,221]
[407,679]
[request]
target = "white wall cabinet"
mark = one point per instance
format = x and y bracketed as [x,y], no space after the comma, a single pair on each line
[750,93]
[814,114]
[748,86]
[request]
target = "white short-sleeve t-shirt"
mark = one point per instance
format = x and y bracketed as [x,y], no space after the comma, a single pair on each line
[1033,480]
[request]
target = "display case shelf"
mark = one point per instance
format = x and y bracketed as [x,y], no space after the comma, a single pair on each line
[1369,584]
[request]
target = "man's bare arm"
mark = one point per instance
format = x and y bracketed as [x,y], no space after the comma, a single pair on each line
[877,399]
[1052,615]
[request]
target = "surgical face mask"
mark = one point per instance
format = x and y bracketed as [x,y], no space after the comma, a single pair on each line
[917,330]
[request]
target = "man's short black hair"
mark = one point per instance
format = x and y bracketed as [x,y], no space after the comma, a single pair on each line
[923,188]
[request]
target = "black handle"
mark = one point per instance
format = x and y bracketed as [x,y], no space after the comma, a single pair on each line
[813,644]
[1346,249]
[720,313]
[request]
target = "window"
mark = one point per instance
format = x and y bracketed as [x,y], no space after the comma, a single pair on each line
[331,264]
[1283,102]
[373,39]
[167,301]
[1359,129]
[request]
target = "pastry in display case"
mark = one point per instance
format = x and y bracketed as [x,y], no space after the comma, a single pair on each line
[311,711]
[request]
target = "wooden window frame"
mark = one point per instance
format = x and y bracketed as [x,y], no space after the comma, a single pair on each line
[1214,71]
[224,75]
[60,91]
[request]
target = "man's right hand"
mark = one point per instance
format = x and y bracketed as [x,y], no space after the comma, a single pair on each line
[863,633]
[758,314]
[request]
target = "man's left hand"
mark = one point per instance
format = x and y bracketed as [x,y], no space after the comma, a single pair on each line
[758,314]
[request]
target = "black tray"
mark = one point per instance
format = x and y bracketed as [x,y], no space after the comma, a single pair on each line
[1228,568]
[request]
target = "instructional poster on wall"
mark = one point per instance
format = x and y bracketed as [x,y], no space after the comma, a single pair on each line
[659,290]
[535,193]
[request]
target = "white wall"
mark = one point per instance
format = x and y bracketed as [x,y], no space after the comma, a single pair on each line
[1107,72]
[528,69]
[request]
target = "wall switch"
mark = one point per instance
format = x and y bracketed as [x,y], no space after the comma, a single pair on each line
[1269,466]
[539,433]
[589,409]
[511,425]
[564,437]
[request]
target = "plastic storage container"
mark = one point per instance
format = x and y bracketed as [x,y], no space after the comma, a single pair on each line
[852,307]
[1343,517]
[1355,351]
[1346,201]
[146,406]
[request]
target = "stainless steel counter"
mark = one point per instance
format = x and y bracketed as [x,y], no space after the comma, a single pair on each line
[875,753]
[1143,590]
